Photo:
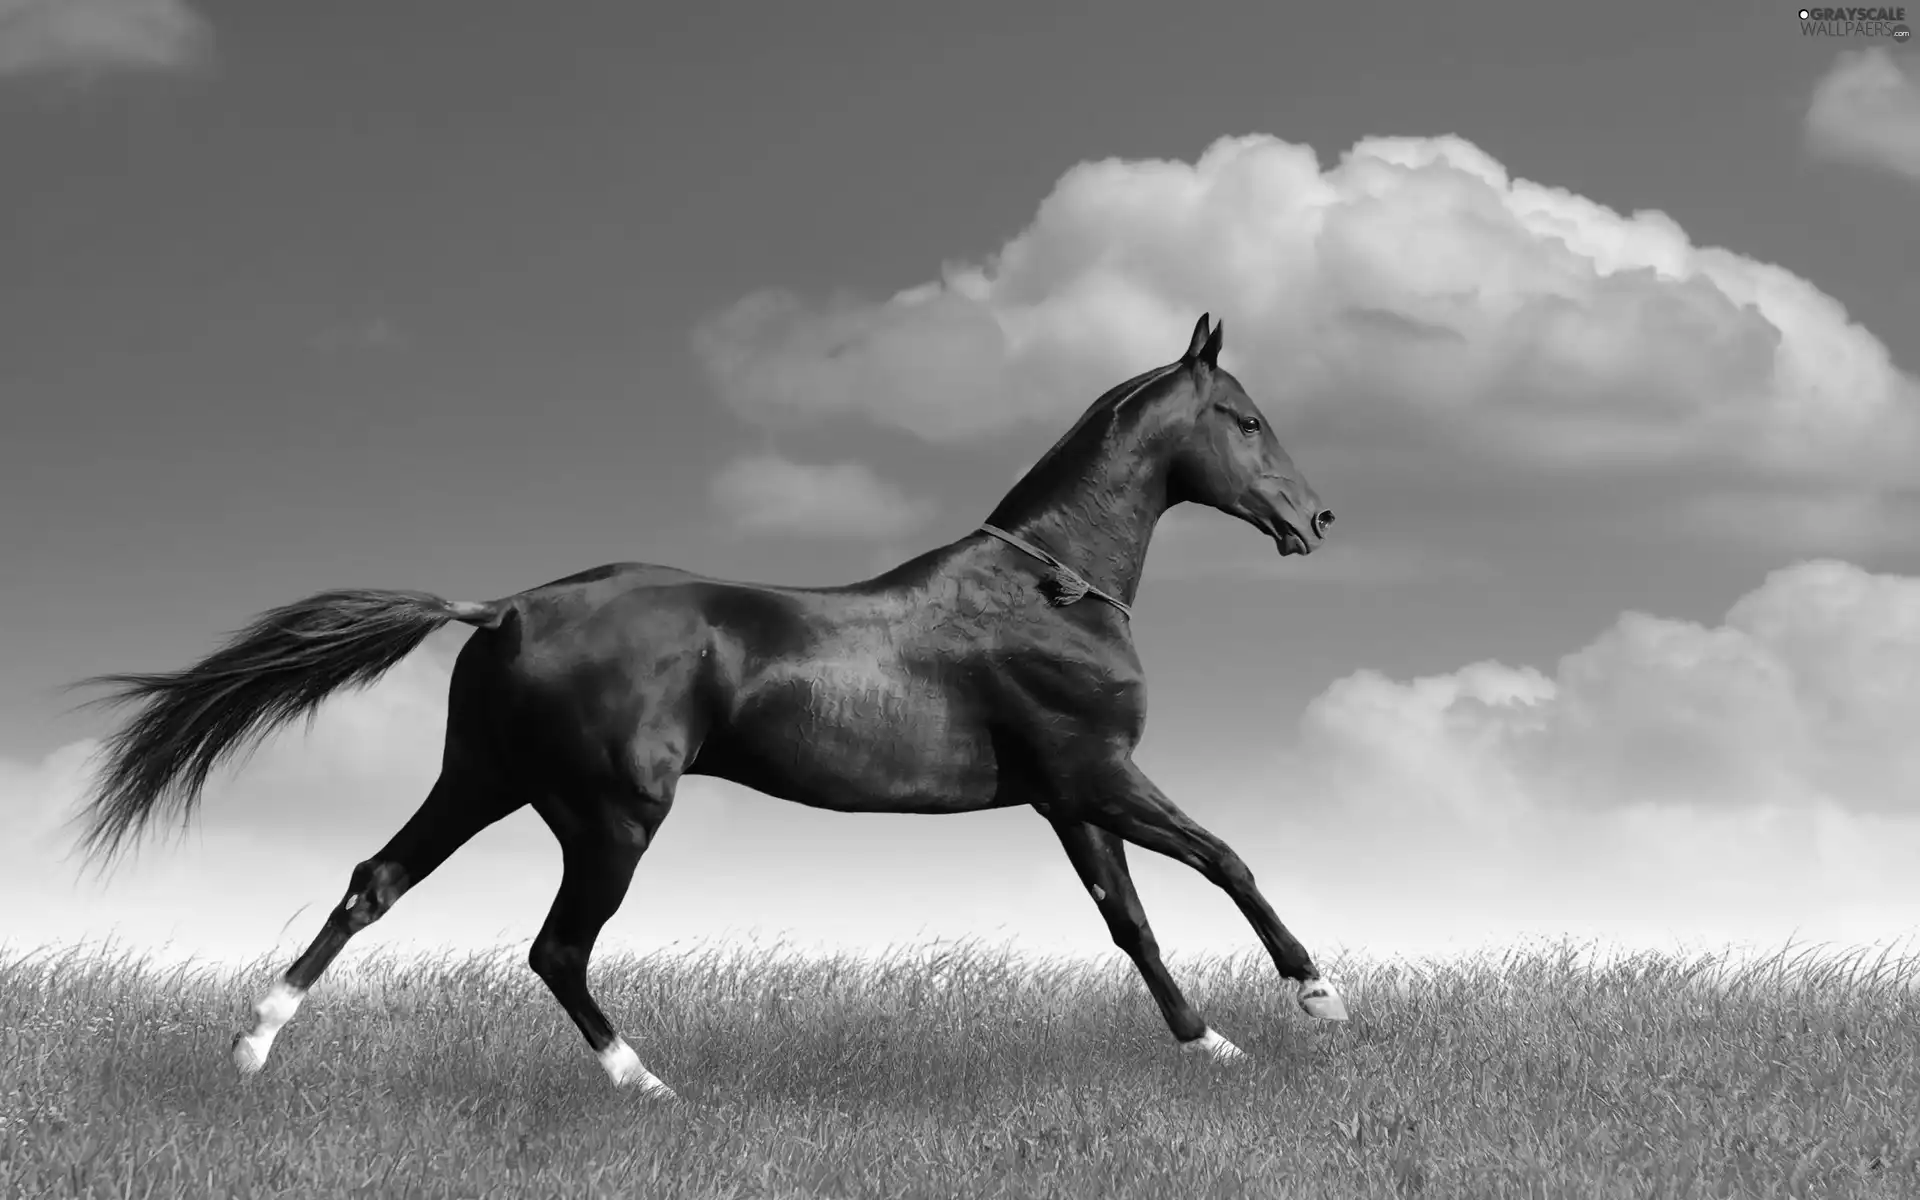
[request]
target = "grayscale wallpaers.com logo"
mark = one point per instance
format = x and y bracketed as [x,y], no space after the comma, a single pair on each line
[1880,21]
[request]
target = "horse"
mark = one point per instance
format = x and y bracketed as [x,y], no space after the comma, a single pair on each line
[986,673]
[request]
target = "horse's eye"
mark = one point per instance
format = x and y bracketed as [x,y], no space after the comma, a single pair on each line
[1249,424]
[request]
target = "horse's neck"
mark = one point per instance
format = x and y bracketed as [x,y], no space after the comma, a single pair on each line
[1099,524]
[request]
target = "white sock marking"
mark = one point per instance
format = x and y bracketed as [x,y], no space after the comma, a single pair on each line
[1213,1046]
[275,1009]
[623,1067]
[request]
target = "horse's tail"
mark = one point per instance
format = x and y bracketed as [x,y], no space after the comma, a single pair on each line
[278,668]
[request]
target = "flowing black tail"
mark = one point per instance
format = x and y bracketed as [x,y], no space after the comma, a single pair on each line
[279,668]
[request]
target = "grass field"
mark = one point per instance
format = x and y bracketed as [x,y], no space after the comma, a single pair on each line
[973,1073]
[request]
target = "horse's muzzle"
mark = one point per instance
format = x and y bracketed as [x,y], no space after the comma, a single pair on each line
[1290,542]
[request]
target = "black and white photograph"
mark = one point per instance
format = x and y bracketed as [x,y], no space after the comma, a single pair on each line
[1008,601]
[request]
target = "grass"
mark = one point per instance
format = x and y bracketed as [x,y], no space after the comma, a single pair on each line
[971,1073]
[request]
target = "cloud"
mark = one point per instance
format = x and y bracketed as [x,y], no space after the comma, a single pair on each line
[927,360]
[1866,111]
[91,36]
[764,493]
[1748,781]
[1412,307]
[1804,698]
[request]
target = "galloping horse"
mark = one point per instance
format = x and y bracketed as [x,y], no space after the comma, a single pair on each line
[983,674]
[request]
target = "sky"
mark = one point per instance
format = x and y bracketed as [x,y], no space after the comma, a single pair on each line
[1596,326]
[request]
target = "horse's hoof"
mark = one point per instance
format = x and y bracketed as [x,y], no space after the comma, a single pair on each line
[1215,1047]
[624,1069]
[1318,999]
[659,1091]
[648,1085]
[248,1057]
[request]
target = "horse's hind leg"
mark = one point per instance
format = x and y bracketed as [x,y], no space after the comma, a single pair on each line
[460,805]
[602,836]
[1100,858]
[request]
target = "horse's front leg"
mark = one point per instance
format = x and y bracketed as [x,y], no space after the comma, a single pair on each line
[1123,800]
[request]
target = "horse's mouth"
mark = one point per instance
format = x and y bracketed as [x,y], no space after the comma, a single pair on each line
[1288,539]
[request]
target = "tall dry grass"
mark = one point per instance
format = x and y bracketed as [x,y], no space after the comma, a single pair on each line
[971,1072]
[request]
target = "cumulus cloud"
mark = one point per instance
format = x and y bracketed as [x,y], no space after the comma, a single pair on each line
[1805,697]
[90,36]
[1412,305]
[929,358]
[1866,111]
[765,493]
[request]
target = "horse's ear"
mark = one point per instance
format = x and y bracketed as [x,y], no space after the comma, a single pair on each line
[1198,342]
[1210,353]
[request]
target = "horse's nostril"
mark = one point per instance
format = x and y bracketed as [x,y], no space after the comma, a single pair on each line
[1321,520]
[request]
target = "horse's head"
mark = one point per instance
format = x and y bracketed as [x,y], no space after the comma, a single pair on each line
[1229,458]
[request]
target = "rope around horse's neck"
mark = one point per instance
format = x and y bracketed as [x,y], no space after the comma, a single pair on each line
[1063,585]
